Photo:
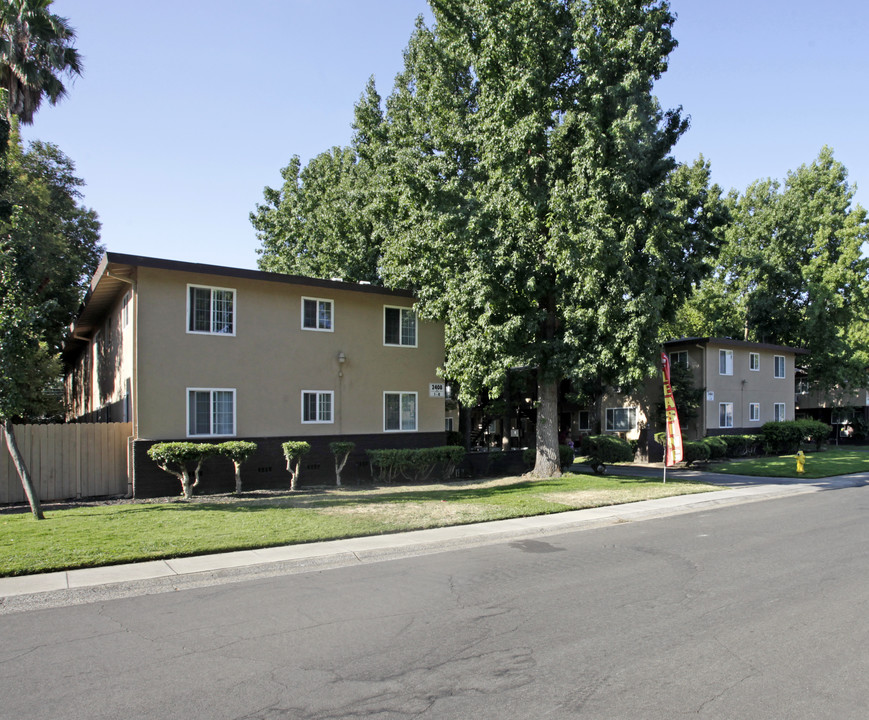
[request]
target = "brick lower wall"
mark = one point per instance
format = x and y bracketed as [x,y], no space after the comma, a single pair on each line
[267,468]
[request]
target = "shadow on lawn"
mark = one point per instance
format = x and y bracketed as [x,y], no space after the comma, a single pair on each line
[313,500]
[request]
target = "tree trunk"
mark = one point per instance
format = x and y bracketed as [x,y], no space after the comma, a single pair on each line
[18,461]
[237,477]
[547,463]
[339,466]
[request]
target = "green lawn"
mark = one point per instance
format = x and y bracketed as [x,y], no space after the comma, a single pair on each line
[108,534]
[826,463]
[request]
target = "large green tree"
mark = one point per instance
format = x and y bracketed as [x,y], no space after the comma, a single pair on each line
[326,220]
[49,247]
[539,211]
[37,54]
[792,271]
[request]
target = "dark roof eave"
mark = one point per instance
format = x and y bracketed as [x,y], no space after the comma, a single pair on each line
[733,342]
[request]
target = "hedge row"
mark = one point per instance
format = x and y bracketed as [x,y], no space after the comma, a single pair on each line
[415,464]
[786,437]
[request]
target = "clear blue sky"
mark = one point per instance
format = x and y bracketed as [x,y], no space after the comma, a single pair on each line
[188,108]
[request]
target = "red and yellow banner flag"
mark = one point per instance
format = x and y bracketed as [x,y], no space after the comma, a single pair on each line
[673,446]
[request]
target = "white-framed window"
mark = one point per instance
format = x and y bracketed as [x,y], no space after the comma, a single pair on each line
[779,412]
[448,424]
[210,412]
[754,361]
[779,364]
[725,362]
[125,309]
[399,411]
[210,310]
[725,415]
[679,358]
[754,412]
[399,326]
[584,420]
[317,314]
[317,406]
[621,419]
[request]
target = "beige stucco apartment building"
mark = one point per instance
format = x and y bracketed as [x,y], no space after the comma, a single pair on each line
[745,384]
[196,352]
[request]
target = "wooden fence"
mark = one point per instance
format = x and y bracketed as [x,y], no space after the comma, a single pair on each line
[67,461]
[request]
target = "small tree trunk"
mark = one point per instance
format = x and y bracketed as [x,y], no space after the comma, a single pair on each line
[547,463]
[339,466]
[23,473]
[237,477]
[293,468]
[186,489]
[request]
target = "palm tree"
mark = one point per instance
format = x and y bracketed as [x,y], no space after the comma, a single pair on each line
[36,50]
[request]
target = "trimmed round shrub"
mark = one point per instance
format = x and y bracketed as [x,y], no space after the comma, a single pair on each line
[606,449]
[741,445]
[781,438]
[695,451]
[815,432]
[717,446]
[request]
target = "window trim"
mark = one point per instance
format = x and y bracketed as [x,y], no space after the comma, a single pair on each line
[212,288]
[318,300]
[752,356]
[401,394]
[633,424]
[722,405]
[754,416]
[784,412]
[728,362]
[318,393]
[211,392]
[402,309]
[784,368]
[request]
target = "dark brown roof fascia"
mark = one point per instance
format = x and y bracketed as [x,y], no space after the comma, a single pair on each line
[732,342]
[223,271]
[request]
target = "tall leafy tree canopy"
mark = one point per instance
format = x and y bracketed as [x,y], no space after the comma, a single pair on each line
[49,248]
[326,220]
[36,54]
[792,271]
[539,210]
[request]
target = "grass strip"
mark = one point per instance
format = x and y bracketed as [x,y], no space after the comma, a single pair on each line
[826,463]
[96,535]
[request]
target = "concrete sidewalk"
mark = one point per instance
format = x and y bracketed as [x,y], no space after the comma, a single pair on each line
[167,575]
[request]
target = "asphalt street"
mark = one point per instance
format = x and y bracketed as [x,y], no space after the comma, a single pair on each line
[750,610]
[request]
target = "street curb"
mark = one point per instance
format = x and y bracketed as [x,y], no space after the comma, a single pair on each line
[95,584]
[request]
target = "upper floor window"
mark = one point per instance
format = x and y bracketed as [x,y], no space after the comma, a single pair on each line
[779,366]
[399,326]
[679,358]
[621,419]
[725,362]
[317,314]
[210,310]
[754,361]
[210,412]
